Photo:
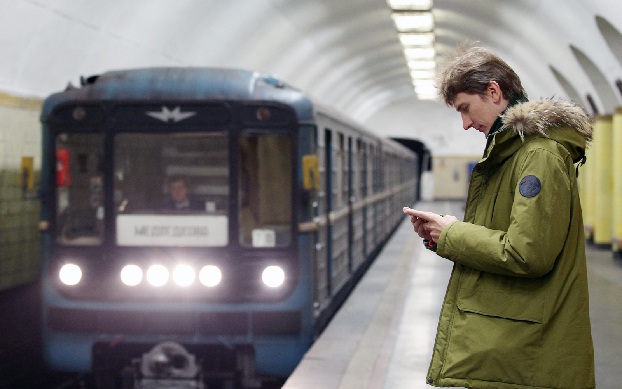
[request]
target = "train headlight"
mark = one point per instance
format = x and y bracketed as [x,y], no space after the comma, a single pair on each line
[183,275]
[157,275]
[131,275]
[70,274]
[273,276]
[210,275]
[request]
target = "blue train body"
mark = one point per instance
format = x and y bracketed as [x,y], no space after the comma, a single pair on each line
[294,202]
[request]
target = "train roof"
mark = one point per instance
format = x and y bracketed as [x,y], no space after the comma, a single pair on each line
[182,83]
[196,83]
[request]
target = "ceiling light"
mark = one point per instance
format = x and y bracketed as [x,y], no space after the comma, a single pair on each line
[413,53]
[417,39]
[426,97]
[412,5]
[413,21]
[422,64]
[422,74]
[425,89]
[424,83]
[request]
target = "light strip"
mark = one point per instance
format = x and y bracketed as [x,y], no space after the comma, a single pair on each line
[424,83]
[410,5]
[417,39]
[422,65]
[413,21]
[422,74]
[414,53]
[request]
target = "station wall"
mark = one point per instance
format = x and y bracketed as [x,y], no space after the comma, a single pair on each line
[451,176]
[20,161]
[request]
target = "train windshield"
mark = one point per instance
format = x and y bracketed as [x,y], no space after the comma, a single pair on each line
[265,182]
[79,189]
[171,189]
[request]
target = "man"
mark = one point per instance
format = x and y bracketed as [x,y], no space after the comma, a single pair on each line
[179,200]
[516,312]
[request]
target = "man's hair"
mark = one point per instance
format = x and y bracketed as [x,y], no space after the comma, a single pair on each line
[470,69]
[173,179]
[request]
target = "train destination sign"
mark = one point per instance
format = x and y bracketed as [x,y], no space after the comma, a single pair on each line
[172,230]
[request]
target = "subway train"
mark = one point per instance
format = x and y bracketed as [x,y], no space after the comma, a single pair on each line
[203,224]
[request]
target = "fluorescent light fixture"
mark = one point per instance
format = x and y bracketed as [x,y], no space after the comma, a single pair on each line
[414,53]
[410,5]
[422,74]
[422,64]
[426,97]
[417,39]
[425,89]
[413,21]
[424,83]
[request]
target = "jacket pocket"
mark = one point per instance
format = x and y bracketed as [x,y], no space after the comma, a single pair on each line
[495,337]
[513,306]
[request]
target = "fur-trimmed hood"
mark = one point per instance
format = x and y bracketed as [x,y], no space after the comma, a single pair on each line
[561,120]
[539,116]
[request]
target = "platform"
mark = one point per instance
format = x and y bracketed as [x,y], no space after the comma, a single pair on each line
[383,335]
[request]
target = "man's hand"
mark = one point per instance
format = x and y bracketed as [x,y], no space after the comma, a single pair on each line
[428,225]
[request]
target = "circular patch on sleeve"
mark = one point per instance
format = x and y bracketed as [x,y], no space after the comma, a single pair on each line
[530,186]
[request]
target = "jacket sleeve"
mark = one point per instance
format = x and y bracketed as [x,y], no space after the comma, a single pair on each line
[537,229]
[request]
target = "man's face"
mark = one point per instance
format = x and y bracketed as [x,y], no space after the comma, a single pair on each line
[481,111]
[478,112]
[179,191]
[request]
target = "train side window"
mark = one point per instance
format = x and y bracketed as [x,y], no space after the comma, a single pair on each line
[363,170]
[79,189]
[343,184]
[265,190]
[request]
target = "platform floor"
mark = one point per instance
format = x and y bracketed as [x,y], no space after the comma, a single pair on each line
[383,335]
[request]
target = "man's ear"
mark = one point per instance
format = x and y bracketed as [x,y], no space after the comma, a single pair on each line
[494,91]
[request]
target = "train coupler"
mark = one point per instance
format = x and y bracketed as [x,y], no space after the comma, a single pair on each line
[166,365]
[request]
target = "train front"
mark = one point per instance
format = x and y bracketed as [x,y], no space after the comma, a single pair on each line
[170,248]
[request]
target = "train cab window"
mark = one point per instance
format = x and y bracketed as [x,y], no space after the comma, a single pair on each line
[171,189]
[265,190]
[79,189]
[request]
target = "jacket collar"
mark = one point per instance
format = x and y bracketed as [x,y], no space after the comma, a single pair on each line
[498,124]
[560,120]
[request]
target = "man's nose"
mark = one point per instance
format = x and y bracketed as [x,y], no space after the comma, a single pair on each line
[466,122]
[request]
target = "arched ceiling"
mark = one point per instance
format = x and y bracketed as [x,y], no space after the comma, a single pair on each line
[346,53]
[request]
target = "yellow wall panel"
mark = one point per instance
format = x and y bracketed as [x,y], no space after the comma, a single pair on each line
[603,187]
[616,211]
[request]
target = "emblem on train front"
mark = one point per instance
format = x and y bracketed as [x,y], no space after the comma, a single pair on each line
[167,115]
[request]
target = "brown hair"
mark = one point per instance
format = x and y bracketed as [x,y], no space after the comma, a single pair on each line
[470,69]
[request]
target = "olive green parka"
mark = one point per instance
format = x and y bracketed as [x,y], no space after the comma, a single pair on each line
[516,312]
